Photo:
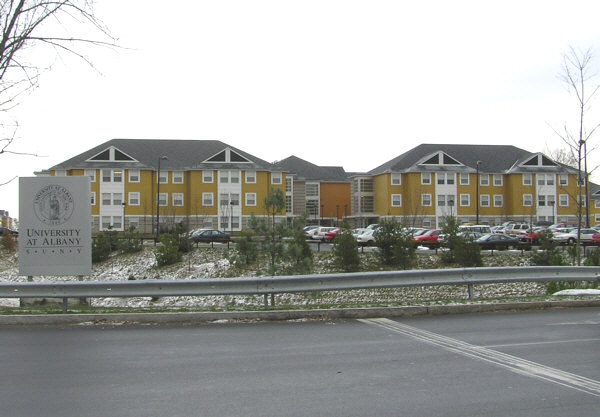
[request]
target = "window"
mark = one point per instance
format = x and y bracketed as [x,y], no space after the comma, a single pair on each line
[527,200]
[426,178]
[177,199]
[596,203]
[207,199]
[527,179]
[464,178]
[163,199]
[134,222]
[250,177]
[465,200]
[117,199]
[91,173]
[117,222]
[224,177]
[541,200]
[134,199]
[134,175]
[396,179]
[234,177]
[563,180]
[288,184]
[93,198]
[563,200]
[105,222]
[498,200]
[288,203]
[251,199]
[484,179]
[106,175]
[207,177]
[445,178]
[484,200]
[498,180]
[106,199]
[396,200]
[276,178]
[224,199]
[312,189]
[426,200]
[581,200]
[441,200]
[234,199]
[117,176]
[545,179]
[177,177]
[164,177]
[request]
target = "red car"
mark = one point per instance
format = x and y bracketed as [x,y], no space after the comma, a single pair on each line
[429,238]
[532,236]
[329,236]
[595,239]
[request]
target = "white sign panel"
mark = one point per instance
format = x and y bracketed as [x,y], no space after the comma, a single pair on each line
[55,233]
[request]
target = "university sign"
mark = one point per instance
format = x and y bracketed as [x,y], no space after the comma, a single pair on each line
[55,226]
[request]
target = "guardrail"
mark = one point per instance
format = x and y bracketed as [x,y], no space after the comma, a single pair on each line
[296,283]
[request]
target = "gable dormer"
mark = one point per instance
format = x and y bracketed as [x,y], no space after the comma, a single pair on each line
[439,158]
[228,156]
[111,154]
[539,160]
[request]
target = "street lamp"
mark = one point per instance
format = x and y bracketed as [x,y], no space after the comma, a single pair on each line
[477,195]
[162,158]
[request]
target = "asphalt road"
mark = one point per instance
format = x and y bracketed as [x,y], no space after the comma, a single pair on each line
[502,364]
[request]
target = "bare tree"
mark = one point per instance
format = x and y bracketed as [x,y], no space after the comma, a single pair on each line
[577,73]
[30,25]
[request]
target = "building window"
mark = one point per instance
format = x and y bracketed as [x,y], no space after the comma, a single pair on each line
[426,200]
[465,200]
[93,198]
[288,203]
[106,175]
[312,189]
[250,177]
[597,203]
[441,200]
[288,184]
[396,200]
[164,177]
[527,179]
[163,199]
[134,175]
[498,200]
[105,222]
[234,177]
[527,200]
[106,199]
[234,199]
[177,199]
[563,200]
[426,178]
[276,178]
[563,180]
[396,179]
[177,177]
[207,199]
[541,200]
[464,178]
[207,177]
[498,180]
[251,199]
[484,179]
[445,178]
[134,199]
[582,200]
[117,199]
[484,200]
[117,176]
[134,222]
[91,173]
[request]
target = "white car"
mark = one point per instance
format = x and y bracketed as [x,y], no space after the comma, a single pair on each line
[366,238]
[319,232]
[570,238]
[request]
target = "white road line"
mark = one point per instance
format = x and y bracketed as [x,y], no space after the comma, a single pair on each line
[512,363]
[549,342]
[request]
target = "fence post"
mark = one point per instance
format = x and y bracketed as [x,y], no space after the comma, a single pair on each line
[470,289]
[65,305]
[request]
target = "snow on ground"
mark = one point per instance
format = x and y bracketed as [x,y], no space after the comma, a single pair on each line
[214,263]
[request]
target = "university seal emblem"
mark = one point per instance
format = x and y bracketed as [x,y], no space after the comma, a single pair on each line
[53,205]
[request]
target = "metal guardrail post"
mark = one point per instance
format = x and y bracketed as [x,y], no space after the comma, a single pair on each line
[470,290]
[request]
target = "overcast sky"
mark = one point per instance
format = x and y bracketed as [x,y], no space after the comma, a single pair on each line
[349,83]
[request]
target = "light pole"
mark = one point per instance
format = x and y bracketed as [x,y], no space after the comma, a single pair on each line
[552,203]
[162,158]
[477,195]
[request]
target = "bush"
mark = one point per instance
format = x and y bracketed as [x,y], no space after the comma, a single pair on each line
[167,253]
[345,251]
[8,241]
[101,247]
[247,248]
[131,241]
[396,247]
[549,255]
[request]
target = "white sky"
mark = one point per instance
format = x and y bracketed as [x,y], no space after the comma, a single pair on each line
[350,83]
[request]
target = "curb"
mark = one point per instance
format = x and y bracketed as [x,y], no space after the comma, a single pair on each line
[283,315]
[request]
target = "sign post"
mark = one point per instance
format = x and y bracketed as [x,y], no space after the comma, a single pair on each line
[55,233]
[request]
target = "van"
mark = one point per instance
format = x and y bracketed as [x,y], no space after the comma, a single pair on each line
[517,229]
[477,228]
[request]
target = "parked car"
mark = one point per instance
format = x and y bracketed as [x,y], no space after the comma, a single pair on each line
[476,228]
[210,235]
[595,239]
[570,237]
[329,236]
[497,241]
[465,235]
[366,238]
[517,229]
[319,232]
[309,229]
[357,232]
[532,236]
[429,238]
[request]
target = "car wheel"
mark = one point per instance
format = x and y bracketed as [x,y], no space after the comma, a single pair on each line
[571,241]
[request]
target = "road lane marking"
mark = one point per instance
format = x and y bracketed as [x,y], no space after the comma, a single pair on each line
[512,363]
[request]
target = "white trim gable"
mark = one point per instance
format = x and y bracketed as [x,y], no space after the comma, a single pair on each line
[538,160]
[227,155]
[439,158]
[111,154]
